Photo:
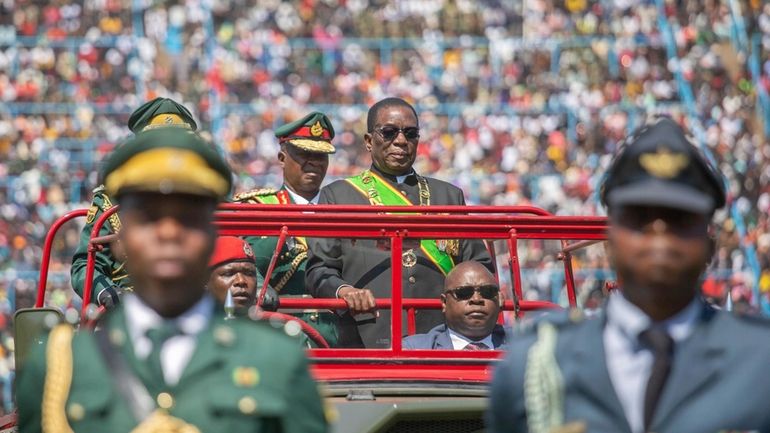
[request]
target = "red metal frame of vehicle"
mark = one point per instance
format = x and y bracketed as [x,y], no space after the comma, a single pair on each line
[394,223]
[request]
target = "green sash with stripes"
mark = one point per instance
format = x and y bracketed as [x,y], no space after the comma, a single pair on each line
[380,192]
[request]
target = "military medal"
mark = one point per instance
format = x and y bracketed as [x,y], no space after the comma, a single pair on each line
[409,258]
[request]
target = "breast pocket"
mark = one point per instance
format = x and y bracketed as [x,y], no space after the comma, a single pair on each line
[245,410]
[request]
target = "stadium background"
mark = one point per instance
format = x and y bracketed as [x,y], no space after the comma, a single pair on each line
[520,102]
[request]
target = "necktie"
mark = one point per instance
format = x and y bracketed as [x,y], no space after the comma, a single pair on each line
[158,337]
[662,347]
[476,346]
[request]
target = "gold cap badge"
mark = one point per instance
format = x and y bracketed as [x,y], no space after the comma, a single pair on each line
[317,129]
[664,163]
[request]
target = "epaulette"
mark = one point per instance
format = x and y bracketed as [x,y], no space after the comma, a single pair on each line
[247,195]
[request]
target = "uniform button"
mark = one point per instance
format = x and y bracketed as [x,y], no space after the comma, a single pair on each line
[412,279]
[314,317]
[76,411]
[403,192]
[247,405]
[165,400]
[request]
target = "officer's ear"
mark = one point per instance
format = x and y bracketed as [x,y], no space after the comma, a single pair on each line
[443,302]
[711,245]
[282,156]
[368,142]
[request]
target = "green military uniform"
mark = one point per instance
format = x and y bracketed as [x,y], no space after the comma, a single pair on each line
[312,133]
[98,381]
[229,385]
[109,271]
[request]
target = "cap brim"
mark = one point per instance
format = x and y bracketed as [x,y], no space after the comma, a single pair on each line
[661,193]
[315,146]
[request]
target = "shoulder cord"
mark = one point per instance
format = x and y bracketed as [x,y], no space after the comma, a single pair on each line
[298,259]
[114,219]
[58,379]
[543,383]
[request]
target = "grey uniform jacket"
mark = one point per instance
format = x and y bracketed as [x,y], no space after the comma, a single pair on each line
[439,338]
[365,263]
[718,381]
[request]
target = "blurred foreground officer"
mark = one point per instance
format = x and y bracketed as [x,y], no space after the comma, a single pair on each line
[306,145]
[471,304]
[110,276]
[165,359]
[659,359]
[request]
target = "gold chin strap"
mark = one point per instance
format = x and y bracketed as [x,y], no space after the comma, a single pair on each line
[58,379]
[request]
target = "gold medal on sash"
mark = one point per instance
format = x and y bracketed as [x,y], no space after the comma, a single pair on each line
[409,258]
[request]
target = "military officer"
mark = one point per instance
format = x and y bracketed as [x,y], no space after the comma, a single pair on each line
[358,271]
[658,358]
[166,360]
[110,276]
[305,145]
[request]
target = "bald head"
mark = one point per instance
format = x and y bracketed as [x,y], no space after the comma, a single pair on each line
[468,274]
[471,300]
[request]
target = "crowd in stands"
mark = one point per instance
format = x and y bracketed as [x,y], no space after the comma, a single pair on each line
[521,102]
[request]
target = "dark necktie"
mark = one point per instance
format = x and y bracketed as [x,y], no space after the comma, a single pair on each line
[158,337]
[662,347]
[476,346]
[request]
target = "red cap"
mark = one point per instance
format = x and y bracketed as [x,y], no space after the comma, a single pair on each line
[231,249]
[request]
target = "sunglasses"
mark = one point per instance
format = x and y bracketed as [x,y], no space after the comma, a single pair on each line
[389,133]
[464,293]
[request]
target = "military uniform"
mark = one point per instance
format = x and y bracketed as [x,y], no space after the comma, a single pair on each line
[312,133]
[121,377]
[229,385]
[687,371]
[365,263]
[110,276]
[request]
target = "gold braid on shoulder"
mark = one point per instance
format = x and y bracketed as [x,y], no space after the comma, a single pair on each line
[298,259]
[58,379]
[543,383]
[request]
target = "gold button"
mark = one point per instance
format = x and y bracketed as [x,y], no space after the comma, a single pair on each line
[412,279]
[247,405]
[403,192]
[314,317]
[76,412]
[165,400]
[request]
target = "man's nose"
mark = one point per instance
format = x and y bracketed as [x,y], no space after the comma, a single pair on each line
[239,280]
[400,139]
[476,298]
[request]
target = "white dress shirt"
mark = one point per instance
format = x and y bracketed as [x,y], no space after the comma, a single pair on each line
[177,350]
[629,364]
[298,199]
[459,341]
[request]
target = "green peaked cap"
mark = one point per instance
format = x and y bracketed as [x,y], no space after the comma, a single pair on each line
[161,112]
[312,133]
[168,161]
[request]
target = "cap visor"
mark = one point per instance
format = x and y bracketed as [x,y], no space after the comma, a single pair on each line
[664,194]
[314,146]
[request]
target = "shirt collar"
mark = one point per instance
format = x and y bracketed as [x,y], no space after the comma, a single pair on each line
[459,341]
[395,179]
[298,199]
[631,320]
[141,317]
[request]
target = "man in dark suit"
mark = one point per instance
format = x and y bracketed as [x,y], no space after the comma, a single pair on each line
[165,359]
[471,305]
[658,358]
[358,270]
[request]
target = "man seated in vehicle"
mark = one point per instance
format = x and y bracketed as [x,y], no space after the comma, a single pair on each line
[165,359]
[471,305]
[234,270]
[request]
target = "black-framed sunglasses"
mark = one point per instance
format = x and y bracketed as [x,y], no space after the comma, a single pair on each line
[389,133]
[464,293]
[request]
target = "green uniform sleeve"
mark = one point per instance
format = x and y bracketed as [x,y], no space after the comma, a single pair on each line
[307,414]
[106,266]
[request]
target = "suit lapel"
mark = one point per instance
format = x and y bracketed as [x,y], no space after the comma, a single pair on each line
[209,349]
[443,341]
[696,363]
[592,380]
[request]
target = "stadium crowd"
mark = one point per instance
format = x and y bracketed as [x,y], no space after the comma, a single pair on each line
[519,104]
